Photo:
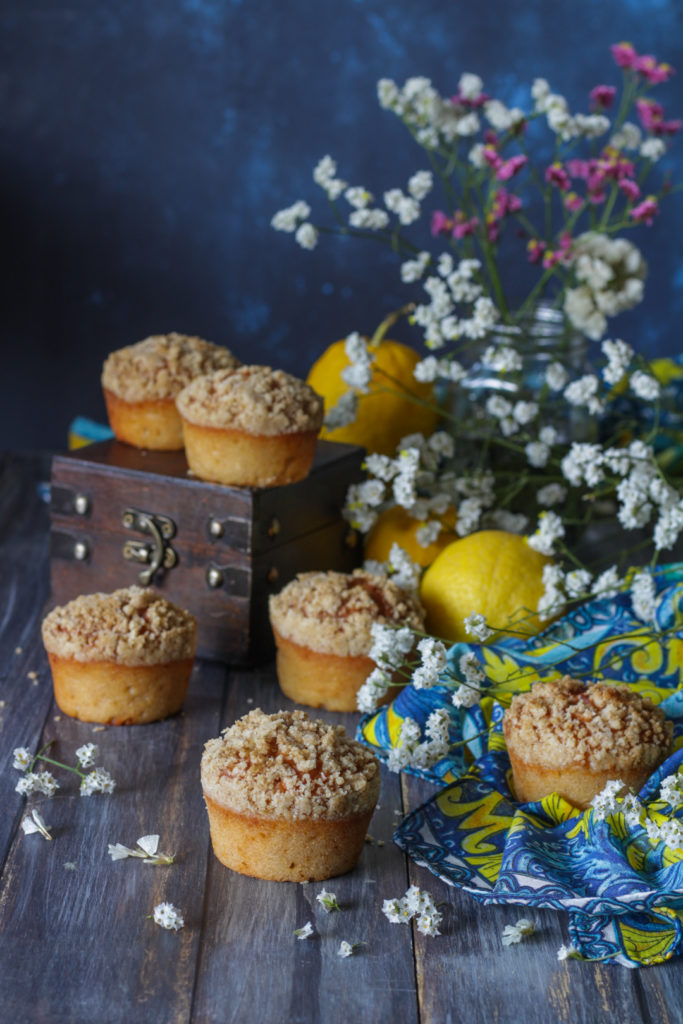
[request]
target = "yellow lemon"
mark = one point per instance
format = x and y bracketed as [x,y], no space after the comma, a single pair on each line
[385,413]
[396,526]
[491,572]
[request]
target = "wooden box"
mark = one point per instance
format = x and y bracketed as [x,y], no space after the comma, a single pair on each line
[121,516]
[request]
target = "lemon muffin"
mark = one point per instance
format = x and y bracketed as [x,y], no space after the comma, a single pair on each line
[120,659]
[571,738]
[250,427]
[288,798]
[140,383]
[322,623]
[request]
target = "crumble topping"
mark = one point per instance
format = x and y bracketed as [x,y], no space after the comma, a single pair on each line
[132,626]
[333,612]
[567,723]
[161,366]
[254,399]
[287,765]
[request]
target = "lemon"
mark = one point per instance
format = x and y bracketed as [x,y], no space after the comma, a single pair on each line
[396,526]
[385,413]
[492,572]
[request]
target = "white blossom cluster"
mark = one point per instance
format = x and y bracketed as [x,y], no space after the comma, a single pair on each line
[418,904]
[659,828]
[166,915]
[412,751]
[468,693]
[452,286]
[559,118]
[641,491]
[403,480]
[433,662]
[610,275]
[431,119]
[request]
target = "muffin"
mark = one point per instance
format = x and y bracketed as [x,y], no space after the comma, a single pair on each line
[120,659]
[571,738]
[250,427]
[289,799]
[322,623]
[140,383]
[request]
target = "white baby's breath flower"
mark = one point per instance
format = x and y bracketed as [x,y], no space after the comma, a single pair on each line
[653,149]
[328,901]
[87,755]
[346,948]
[147,847]
[513,933]
[551,494]
[37,782]
[475,625]
[35,823]
[643,596]
[358,197]
[22,758]
[166,915]
[305,932]
[306,235]
[344,412]
[569,952]
[97,781]
[288,219]
[371,220]
[619,355]
[550,529]
[645,386]
[628,137]
[556,376]
[421,184]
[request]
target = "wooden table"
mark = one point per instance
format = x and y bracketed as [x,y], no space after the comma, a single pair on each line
[76,942]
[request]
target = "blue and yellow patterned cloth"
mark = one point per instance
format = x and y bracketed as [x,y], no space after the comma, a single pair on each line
[624,894]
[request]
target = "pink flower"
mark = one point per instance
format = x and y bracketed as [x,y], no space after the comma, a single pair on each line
[462,226]
[507,169]
[535,248]
[557,175]
[468,103]
[649,113]
[602,96]
[505,202]
[552,257]
[645,211]
[441,224]
[573,202]
[653,72]
[624,55]
[579,168]
[630,189]
[651,116]
[492,156]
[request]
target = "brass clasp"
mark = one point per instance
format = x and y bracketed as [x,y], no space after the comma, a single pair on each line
[155,555]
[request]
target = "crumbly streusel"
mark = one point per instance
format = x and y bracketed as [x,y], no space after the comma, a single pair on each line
[599,726]
[333,612]
[254,399]
[289,766]
[161,366]
[132,626]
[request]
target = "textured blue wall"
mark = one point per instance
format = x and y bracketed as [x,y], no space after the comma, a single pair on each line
[145,145]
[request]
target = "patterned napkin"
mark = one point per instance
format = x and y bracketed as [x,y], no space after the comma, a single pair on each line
[624,894]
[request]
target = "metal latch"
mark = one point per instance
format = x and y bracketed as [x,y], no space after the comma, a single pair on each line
[155,554]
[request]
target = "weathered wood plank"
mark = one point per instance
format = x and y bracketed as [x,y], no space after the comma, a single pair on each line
[467,971]
[76,944]
[252,967]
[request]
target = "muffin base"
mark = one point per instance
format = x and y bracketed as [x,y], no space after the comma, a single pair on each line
[154,424]
[233,457]
[576,784]
[112,694]
[304,850]
[318,679]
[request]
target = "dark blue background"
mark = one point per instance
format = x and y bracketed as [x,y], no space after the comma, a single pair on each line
[145,145]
